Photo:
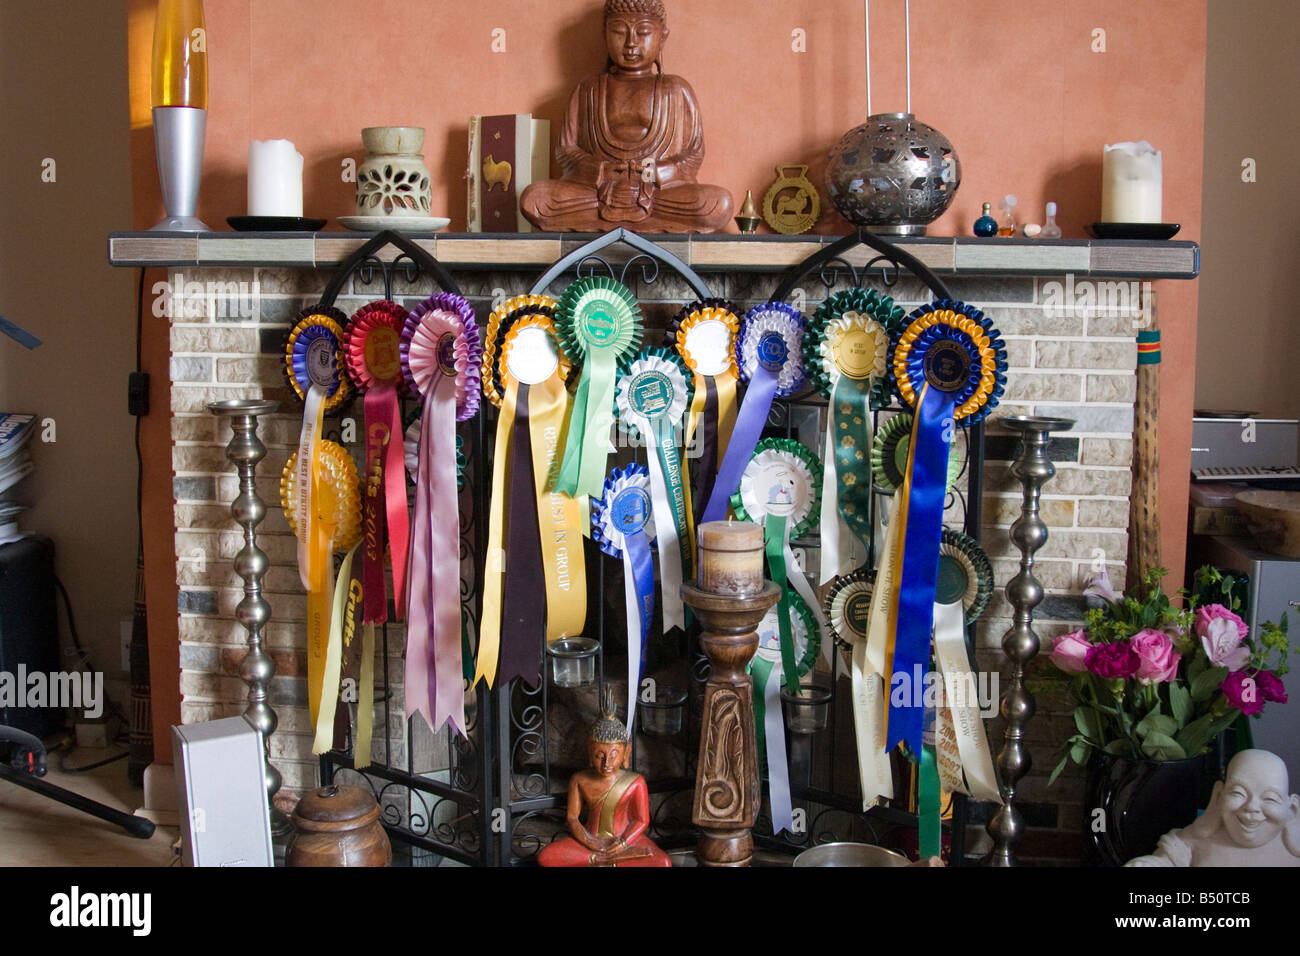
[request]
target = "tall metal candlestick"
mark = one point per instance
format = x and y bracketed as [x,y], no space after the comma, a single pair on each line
[1033,469]
[727,788]
[245,450]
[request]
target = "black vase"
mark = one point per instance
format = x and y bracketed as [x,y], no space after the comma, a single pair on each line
[1140,801]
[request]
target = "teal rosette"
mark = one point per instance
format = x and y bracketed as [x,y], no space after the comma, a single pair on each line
[866,302]
[598,319]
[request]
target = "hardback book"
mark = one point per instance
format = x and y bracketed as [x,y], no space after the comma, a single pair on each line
[506,154]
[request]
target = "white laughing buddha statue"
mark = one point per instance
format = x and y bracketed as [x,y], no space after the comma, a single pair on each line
[1252,820]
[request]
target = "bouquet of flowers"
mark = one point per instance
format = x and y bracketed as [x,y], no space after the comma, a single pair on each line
[1152,681]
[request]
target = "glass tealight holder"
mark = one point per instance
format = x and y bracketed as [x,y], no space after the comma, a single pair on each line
[807,712]
[573,660]
[662,717]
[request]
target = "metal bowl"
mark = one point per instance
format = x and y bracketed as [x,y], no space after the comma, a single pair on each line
[850,854]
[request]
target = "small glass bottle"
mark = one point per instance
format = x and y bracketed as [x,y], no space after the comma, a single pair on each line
[986,225]
[1007,227]
[1050,229]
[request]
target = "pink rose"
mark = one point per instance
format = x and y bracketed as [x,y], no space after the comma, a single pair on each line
[1069,652]
[1270,687]
[1214,612]
[1222,642]
[1243,692]
[1113,661]
[1158,661]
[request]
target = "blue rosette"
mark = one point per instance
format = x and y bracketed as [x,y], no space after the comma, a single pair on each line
[622,524]
[313,355]
[771,337]
[955,348]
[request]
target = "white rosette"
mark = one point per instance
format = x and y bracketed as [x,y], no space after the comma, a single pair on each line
[652,398]
[779,482]
[837,538]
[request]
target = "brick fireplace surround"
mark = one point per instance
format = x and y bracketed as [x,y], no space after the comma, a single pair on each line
[1071,354]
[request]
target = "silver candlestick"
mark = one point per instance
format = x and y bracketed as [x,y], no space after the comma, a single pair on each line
[1033,469]
[257,668]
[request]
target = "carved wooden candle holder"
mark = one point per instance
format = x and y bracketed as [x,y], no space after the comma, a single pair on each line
[727,787]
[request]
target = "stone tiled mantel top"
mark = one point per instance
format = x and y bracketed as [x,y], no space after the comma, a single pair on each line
[529,251]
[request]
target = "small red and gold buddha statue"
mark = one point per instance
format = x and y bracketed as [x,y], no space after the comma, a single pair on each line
[632,142]
[609,805]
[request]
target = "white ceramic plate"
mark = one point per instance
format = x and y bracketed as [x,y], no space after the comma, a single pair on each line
[396,223]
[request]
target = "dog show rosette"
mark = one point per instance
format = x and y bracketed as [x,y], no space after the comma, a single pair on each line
[704,335]
[598,319]
[336,524]
[779,489]
[534,530]
[847,352]
[948,366]
[440,355]
[653,395]
[767,670]
[372,348]
[889,455]
[539,310]
[623,526]
[769,357]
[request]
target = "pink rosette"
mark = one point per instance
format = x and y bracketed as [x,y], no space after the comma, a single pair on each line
[422,352]
[366,366]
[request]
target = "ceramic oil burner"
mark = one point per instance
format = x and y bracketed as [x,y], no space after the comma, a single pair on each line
[393,180]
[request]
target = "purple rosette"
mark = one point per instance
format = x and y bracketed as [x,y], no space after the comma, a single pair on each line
[459,307]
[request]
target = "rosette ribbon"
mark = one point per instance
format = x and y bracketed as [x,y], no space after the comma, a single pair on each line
[313,363]
[848,610]
[373,352]
[534,531]
[779,489]
[798,630]
[335,521]
[963,589]
[652,398]
[949,366]
[848,351]
[622,524]
[440,354]
[704,335]
[769,357]
[599,320]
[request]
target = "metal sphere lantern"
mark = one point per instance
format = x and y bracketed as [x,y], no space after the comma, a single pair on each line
[893,174]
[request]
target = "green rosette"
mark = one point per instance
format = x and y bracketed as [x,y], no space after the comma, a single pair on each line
[964,573]
[848,606]
[889,455]
[598,319]
[751,502]
[803,625]
[865,302]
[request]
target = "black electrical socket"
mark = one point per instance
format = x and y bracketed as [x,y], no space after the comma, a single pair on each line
[137,394]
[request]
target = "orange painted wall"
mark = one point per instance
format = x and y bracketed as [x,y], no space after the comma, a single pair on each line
[1015,86]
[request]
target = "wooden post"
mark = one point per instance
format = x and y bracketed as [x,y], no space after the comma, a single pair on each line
[1144,497]
[727,787]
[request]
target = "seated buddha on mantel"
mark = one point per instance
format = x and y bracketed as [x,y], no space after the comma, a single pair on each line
[632,142]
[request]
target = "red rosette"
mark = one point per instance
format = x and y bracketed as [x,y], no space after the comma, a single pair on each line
[373,346]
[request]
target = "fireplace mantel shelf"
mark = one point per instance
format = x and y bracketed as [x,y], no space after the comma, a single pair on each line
[733,253]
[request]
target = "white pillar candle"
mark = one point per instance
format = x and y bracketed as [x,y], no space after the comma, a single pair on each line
[274,178]
[1132,183]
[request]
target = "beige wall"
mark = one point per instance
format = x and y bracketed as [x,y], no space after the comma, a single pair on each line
[1248,340]
[64,83]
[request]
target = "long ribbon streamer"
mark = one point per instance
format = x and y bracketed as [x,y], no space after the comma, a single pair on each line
[929,806]
[975,757]
[771,724]
[489,637]
[384,458]
[776,529]
[749,427]
[324,739]
[928,467]
[366,704]
[846,487]
[668,498]
[559,518]
[313,415]
[523,631]
[587,447]
[639,596]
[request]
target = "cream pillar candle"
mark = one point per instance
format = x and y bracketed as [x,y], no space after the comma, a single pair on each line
[274,178]
[1132,183]
[730,557]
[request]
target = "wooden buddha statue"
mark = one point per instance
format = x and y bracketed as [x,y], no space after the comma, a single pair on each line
[609,805]
[632,142]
